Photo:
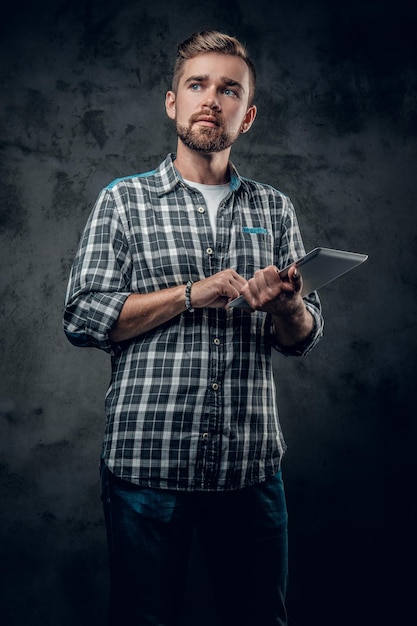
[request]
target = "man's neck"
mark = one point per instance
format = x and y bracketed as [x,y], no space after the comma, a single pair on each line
[207,169]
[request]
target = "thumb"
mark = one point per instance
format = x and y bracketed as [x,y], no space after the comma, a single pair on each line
[295,278]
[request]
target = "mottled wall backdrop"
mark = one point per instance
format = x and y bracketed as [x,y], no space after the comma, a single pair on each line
[82,103]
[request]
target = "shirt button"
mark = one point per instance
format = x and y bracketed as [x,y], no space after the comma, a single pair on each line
[201,209]
[216,341]
[205,436]
[209,250]
[215,386]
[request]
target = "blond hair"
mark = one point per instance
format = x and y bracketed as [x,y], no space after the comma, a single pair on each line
[212,41]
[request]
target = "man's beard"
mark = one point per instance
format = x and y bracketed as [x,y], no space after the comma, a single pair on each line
[205,139]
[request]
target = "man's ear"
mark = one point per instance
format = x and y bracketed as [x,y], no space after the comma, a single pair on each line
[170,105]
[249,119]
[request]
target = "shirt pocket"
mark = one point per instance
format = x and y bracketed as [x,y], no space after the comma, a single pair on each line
[250,249]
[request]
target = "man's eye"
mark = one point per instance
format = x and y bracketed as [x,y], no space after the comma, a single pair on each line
[195,87]
[229,92]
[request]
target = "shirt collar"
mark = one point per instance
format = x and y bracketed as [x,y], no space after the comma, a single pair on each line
[167,176]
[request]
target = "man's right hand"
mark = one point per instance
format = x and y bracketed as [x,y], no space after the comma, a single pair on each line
[217,290]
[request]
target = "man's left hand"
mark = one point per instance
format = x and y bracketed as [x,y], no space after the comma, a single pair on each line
[266,291]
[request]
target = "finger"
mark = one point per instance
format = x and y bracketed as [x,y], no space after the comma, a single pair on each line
[270,275]
[295,278]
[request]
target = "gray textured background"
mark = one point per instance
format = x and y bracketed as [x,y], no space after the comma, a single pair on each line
[83,87]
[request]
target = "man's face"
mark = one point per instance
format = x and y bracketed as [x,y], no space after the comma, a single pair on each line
[210,107]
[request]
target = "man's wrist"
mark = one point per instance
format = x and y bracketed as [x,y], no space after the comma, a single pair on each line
[293,314]
[292,328]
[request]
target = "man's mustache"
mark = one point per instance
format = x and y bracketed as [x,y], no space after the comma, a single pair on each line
[206,115]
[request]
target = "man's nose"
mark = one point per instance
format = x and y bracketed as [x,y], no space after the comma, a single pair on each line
[211,99]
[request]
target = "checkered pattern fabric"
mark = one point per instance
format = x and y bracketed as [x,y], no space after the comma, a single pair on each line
[191,404]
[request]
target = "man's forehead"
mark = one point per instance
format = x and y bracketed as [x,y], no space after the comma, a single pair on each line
[217,65]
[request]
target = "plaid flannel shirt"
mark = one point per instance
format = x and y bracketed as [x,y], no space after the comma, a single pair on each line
[191,404]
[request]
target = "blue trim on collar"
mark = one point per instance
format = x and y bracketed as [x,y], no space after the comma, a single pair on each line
[119,180]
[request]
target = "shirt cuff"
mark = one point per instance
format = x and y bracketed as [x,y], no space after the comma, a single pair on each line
[103,313]
[302,348]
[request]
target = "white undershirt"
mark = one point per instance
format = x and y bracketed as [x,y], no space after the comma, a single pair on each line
[213,195]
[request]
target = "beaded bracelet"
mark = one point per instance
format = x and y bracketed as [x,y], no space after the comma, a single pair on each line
[188,304]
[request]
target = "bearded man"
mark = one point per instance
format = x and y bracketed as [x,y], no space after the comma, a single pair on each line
[193,442]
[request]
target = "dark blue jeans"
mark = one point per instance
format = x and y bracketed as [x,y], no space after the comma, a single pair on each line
[243,536]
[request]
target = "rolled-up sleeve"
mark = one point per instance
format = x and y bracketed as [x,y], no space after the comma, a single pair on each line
[100,278]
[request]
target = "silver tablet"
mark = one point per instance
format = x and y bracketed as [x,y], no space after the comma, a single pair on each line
[318,268]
